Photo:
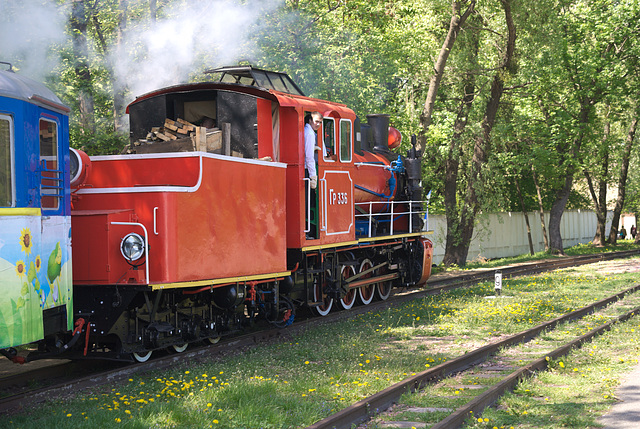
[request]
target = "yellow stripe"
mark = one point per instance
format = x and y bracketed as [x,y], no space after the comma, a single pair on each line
[327,246]
[213,282]
[21,211]
[391,237]
[365,240]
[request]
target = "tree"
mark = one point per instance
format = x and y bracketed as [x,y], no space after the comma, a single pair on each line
[78,25]
[622,180]
[461,214]
[581,65]
[458,19]
[600,197]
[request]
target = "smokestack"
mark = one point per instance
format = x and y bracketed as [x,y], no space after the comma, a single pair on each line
[379,131]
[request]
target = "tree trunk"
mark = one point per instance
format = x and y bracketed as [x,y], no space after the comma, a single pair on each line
[562,196]
[456,23]
[542,222]
[600,199]
[600,236]
[153,12]
[459,249]
[555,215]
[83,73]
[452,253]
[119,87]
[526,216]
[622,181]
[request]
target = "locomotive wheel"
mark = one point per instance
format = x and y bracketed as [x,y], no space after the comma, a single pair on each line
[141,357]
[384,288]
[366,293]
[213,340]
[180,348]
[349,299]
[320,295]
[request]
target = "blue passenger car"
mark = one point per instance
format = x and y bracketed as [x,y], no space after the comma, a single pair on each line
[35,222]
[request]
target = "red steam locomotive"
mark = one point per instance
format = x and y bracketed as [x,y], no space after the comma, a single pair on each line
[197,235]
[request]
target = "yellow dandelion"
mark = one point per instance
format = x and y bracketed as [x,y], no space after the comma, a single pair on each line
[21,269]
[26,240]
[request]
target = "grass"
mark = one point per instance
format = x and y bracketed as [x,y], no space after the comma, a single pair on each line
[295,383]
[577,250]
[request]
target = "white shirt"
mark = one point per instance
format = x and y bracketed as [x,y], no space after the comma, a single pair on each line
[310,140]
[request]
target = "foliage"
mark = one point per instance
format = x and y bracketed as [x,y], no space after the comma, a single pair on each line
[577,70]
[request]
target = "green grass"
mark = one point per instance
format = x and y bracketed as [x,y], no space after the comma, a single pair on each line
[577,250]
[576,390]
[295,383]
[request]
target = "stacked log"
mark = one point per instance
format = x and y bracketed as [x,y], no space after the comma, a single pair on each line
[179,136]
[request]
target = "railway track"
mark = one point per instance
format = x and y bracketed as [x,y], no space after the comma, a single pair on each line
[22,390]
[378,403]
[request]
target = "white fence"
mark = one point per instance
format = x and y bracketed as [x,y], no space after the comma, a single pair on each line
[505,234]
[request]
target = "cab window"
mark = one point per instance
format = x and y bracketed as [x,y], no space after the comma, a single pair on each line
[6,164]
[329,137]
[51,185]
[345,140]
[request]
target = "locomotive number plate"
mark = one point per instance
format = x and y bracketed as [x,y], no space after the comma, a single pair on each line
[337,202]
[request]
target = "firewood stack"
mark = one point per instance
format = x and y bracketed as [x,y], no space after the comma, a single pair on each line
[179,136]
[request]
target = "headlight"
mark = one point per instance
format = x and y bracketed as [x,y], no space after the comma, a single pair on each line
[132,247]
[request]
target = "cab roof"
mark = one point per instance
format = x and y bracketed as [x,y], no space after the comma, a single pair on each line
[275,86]
[19,87]
[251,76]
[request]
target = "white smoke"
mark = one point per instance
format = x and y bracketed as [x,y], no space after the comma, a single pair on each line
[187,37]
[193,36]
[28,31]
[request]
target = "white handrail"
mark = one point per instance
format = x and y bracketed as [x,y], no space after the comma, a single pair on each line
[369,214]
[323,182]
[308,191]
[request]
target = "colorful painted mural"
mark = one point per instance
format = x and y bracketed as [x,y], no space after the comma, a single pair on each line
[35,274]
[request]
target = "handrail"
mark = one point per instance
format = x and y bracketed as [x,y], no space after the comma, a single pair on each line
[55,189]
[324,222]
[393,214]
[308,191]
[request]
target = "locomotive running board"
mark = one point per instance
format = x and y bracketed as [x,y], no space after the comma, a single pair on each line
[394,237]
[366,240]
[218,282]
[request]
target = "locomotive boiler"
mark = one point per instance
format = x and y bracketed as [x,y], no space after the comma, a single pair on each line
[207,222]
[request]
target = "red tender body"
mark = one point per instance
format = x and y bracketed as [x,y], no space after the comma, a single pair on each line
[205,216]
